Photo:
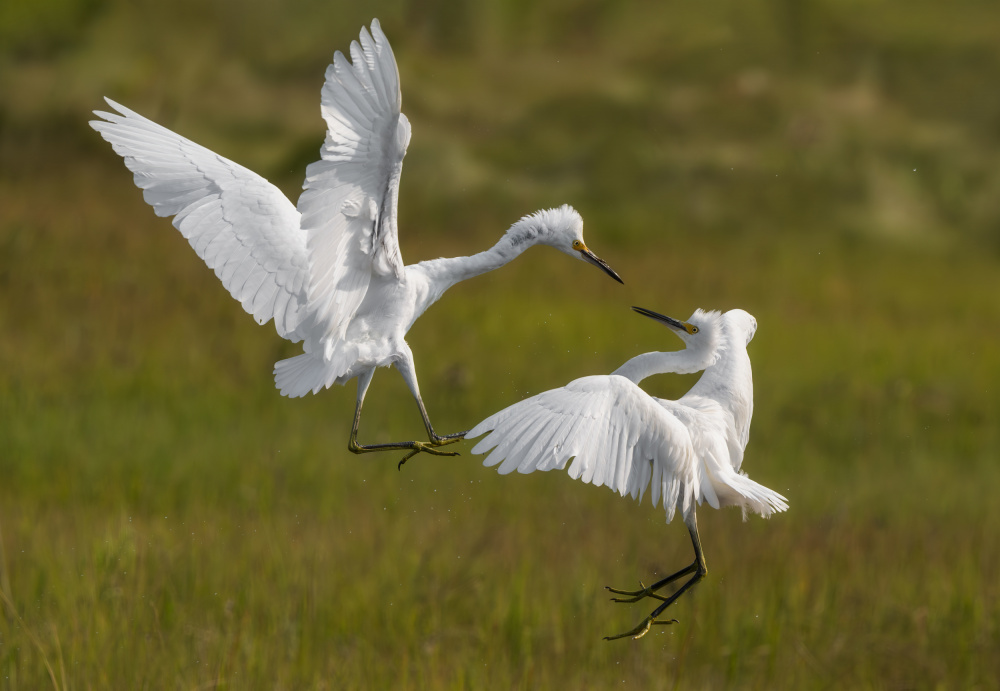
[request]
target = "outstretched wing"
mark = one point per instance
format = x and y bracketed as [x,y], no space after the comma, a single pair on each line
[616,434]
[349,203]
[239,223]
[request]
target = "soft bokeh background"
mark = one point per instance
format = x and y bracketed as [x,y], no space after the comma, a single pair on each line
[169,521]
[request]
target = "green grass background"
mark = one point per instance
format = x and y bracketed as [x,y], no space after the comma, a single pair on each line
[169,521]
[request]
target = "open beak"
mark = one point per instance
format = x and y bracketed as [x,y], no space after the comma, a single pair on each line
[592,258]
[663,319]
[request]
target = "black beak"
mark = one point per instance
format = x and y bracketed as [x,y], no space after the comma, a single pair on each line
[669,321]
[592,258]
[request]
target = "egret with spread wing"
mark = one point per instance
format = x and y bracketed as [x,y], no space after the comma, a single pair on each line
[329,271]
[616,434]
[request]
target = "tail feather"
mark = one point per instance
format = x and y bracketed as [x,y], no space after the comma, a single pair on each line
[297,376]
[751,496]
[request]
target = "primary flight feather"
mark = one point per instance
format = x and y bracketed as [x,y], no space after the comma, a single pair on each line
[327,271]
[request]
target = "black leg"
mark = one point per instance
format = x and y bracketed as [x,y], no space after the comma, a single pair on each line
[409,374]
[414,447]
[697,568]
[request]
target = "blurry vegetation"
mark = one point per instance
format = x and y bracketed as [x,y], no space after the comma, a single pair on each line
[167,519]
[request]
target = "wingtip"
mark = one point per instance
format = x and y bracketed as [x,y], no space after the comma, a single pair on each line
[381,41]
[106,118]
[372,42]
[110,117]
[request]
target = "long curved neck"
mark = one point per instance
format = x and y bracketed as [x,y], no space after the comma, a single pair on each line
[447,272]
[677,362]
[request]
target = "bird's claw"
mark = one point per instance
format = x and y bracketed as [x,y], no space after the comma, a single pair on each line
[426,447]
[634,595]
[643,628]
[646,624]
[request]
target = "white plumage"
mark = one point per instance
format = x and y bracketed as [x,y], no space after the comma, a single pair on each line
[611,432]
[327,271]
[244,228]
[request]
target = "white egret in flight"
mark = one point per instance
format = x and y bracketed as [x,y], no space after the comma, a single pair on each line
[617,435]
[329,271]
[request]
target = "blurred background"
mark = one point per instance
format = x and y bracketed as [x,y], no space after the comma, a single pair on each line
[168,520]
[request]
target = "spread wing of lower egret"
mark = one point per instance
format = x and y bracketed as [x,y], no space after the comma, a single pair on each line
[614,432]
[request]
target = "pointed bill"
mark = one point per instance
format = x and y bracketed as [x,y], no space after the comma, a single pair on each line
[675,324]
[592,258]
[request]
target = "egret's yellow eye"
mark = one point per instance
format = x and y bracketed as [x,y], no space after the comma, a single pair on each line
[692,329]
[578,245]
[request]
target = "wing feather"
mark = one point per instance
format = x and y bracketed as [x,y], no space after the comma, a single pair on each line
[560,453]
[528,431]
[608,426]
[349,200]
[242,274]
[228,265]
[239,223]
[380,78]
[264,297]
[360,55]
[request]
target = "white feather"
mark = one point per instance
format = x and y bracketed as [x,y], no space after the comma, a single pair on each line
[182,179]
[617,435]
[327,271]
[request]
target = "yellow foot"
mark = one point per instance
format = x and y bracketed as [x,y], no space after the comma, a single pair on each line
[633,595]
[643,628]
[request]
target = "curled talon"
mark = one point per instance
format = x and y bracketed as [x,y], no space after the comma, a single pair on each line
[406,458]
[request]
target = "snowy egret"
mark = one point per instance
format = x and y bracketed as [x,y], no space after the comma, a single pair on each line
[329,272]
[690,450]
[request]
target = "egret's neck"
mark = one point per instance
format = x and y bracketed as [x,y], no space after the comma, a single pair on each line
[677,362]
[730,382]
[445,273]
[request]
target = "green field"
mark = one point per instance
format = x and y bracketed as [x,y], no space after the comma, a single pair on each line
[167,520]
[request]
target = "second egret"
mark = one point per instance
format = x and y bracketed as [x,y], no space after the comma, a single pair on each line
[689,450]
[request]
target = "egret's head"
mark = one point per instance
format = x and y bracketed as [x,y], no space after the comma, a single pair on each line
[561,228]
[702,330]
